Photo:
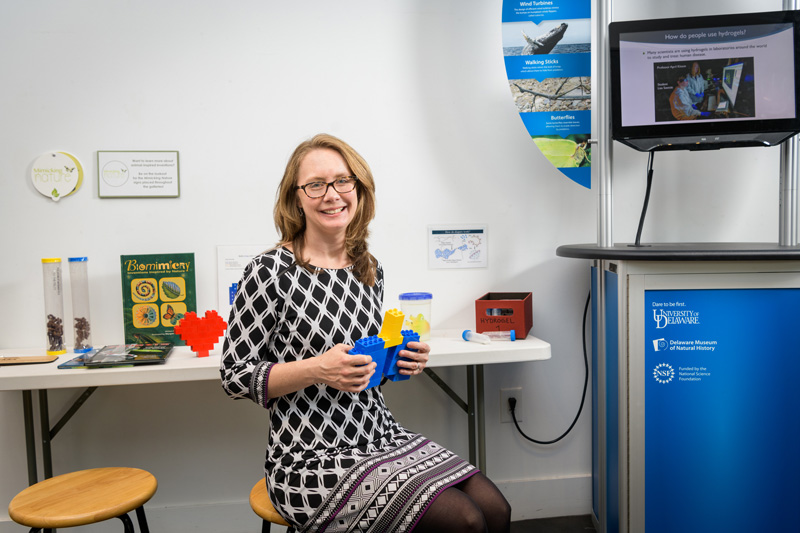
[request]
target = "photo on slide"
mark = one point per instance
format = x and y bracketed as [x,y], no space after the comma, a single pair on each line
[704,89]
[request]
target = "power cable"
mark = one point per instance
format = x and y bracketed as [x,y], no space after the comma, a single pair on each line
[512,402]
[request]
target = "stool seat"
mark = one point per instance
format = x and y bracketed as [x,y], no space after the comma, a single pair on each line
[259,501]
[82,497]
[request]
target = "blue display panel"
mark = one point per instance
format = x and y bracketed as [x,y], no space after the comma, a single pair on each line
[721,399]
[611,280]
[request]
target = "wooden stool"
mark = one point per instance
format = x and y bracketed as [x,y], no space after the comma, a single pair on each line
[259,501]
[85,497]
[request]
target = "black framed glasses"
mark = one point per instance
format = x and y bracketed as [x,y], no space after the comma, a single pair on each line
[318,189]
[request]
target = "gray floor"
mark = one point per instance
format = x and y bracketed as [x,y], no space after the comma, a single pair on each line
[564,524]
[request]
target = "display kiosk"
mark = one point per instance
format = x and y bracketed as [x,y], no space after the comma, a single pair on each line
[695,350]
[694,357]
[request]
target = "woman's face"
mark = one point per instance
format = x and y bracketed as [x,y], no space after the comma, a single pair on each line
[330,214]
[695,69]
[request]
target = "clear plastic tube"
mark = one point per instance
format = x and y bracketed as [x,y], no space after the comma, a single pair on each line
[79,282]
[487,336]
[53,305]
[501,335]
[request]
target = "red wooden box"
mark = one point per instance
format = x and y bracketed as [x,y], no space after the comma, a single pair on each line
[504,311]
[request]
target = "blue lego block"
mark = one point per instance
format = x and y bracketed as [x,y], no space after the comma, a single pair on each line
[392,370]
[385,358]
[368,345]
[372,346]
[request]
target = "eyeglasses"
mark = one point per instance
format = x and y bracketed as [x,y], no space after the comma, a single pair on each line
[318,189]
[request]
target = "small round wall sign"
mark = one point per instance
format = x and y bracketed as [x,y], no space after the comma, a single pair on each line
[57,174]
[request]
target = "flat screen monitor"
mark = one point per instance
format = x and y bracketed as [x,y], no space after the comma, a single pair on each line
[710,82]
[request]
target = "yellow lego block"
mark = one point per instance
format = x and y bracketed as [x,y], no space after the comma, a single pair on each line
[391,328]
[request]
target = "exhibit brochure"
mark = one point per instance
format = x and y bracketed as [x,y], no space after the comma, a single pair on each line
[129,354]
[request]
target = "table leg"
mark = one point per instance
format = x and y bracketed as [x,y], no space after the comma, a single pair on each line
[476,418]
[30,438]
[481,415]
[471,412]
[47,432]
[44,420]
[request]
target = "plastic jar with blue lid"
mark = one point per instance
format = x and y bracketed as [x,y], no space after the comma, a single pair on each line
[416,306]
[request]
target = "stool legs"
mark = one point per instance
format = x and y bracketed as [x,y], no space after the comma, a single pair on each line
[142,519]
[126,521]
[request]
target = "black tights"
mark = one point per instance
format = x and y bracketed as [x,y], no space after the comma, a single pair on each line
[474,505]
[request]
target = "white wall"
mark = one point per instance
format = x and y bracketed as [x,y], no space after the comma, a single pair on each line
[419,89]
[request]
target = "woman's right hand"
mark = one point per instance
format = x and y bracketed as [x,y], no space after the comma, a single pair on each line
[345,372]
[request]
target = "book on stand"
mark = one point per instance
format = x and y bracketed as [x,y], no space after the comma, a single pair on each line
[157,291]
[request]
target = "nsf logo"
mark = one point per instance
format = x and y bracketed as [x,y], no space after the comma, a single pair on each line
[664,373]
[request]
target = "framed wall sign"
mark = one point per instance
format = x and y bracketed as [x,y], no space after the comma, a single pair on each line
[138,174]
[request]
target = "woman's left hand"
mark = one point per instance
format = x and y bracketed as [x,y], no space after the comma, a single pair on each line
[415,358]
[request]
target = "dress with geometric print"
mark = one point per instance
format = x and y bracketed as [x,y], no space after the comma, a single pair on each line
[336,461]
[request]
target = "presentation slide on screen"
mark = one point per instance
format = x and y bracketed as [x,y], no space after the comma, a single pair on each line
[709,74]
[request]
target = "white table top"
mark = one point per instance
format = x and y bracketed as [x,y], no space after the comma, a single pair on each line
[447,349]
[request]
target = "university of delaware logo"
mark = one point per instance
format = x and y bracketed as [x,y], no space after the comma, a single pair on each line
[665,318]
[663,373]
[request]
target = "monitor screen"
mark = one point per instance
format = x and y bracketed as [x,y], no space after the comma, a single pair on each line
[705,82]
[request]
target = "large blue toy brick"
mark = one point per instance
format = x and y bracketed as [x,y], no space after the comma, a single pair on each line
[372,346]
[392,370]
[409,335]
[368,345]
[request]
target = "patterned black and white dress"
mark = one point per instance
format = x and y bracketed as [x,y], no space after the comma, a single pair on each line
[336,461]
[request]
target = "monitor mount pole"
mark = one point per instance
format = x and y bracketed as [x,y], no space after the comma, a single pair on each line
[788,201]
[602,103]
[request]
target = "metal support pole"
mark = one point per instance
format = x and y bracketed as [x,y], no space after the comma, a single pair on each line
[788,200]
[602,111]
[787,234]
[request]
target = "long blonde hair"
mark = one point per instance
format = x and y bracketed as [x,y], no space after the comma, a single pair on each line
[291,224]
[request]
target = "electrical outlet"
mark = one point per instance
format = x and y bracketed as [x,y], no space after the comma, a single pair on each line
[505,411]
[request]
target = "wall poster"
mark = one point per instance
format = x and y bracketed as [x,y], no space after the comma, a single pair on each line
[547,52]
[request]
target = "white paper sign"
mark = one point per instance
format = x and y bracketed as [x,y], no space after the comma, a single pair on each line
[457,246]
[231,261]
[138,174]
